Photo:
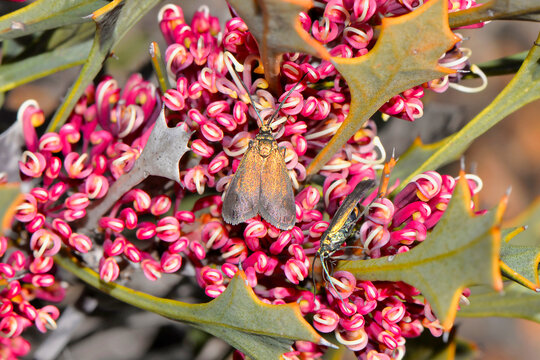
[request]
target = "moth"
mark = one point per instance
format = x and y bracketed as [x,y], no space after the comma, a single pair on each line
[261,184]
[341,226]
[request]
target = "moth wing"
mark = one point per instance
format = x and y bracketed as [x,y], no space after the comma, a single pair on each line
[241,200]
[276,201]
[349,204]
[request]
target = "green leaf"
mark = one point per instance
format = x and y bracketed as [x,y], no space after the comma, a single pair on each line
[21,72]
[237,316]
[46,14]
[515,301]
[461,241]
[405,55]
[524,88]
[531,219]
[9,193]
[112,24]
[495,9]
[520,263]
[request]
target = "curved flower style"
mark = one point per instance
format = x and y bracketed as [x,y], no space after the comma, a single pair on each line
[150,228]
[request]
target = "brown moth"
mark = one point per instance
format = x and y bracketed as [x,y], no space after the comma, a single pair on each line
[261,184]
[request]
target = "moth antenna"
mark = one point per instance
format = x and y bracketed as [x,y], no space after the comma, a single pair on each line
[237,80]
[285,99]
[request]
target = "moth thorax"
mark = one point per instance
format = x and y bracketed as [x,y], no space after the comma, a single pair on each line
[265,147]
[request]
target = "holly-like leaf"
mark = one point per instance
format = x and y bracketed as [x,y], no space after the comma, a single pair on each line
[160,157]
[113,21]
[523,89]
[531,219]
[46,14]
[259,330]
[405,55]
[461,240]
[520,263]
[276,26]
[496,9]
[515,301]
[9,195]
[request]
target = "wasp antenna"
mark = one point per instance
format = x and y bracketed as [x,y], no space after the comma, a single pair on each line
[313,274]
[330,281]
[285,99]
[238,81]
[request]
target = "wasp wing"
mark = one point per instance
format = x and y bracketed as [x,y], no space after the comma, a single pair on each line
[276,200]
[349,204]
[241,200]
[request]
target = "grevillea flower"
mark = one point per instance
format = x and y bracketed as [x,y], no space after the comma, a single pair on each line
[152,230]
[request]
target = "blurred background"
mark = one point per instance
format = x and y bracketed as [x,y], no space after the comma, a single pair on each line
[506,156]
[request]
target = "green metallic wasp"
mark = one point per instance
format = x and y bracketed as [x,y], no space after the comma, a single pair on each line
[340,228]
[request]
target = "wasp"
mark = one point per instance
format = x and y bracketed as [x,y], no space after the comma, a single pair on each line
[261,184]
[340,228]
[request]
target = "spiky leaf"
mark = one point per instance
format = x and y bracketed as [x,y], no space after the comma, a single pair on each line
[515,301]
[405,55]
[461,240]
[524,88]
[237,316]
[9,193]
[520,263]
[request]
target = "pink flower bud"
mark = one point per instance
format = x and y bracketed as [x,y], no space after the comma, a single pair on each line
[32,164]
[229,270]
[17,260]
[80,242]
[40,194]
[197,249]
[151,269]
[168,229]
[108,269]
[132,253]
[7,271]
[145,230]
[41,265]
[295,271]
[96,186]
[354,340]
[325,320]
[42,280]
[211,132]
[214,291]
[185,216]
[46,317]
[218,163]
[77,201]
[173,100]
[26,211]
[170,262]
[141,200]
[36,223]
[54,168]
[114,224]
[201,148]
[129,217]
[74,164]
[43,242]
[57,190]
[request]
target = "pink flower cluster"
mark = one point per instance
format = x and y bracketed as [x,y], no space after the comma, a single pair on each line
[151,229]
